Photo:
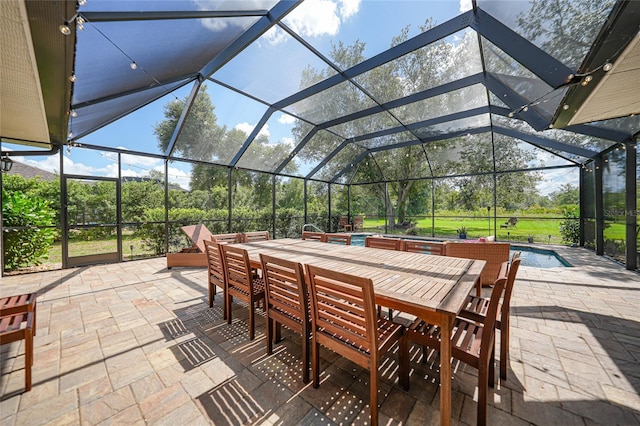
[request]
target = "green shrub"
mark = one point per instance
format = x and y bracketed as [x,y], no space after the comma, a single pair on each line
[25,247]
[570,227]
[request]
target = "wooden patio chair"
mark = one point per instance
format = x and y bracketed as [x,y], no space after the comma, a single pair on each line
[476,308]
[343,319]
[241,282]
[386,244]
[383,243]
[227,238]
[215,272]
[472,343]
[256,236]
[358,223]
[20,326]
[344,224]
[337,238]
[19,303]
[428,247]
[309,235]
[287,302]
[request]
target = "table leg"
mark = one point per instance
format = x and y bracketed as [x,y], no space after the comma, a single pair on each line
[445,370]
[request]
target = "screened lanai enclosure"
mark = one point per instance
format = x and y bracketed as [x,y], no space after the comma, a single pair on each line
[125,120]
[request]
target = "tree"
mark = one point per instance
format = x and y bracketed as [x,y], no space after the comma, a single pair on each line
[567,194]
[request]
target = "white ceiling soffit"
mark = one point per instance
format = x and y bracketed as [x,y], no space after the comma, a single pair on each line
[618,93]
[23,115]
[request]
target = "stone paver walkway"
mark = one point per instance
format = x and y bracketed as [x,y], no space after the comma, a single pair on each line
[136,343]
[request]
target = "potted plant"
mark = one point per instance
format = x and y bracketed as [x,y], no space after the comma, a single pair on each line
[462,232]
[530,238]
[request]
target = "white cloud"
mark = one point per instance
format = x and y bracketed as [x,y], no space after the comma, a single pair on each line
[348,8]
[286,119]
[465,5]
[248,128]
[177,176]
[316,18]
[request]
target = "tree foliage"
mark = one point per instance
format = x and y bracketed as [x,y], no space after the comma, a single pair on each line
[34,219]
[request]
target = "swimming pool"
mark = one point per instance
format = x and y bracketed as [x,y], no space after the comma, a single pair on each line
[531,256]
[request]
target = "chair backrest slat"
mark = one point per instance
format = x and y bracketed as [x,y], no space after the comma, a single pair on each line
[490,319]
[508,290]
[215,264]
[309,235]
[285,287]
[428,247]
[337,238]
[236,266]
[256,236]
[383,243]
[343,308]
[227,238]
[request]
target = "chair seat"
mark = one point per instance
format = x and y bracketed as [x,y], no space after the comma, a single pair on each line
[475,309]
[388,334]
[465,337]
[258,287]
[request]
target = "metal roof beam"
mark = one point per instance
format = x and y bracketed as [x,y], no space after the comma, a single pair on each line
[252,136]
[516,103]
[183,118]
[549,143]
[434,34]
[435,138]
[111,16]
[297,149]
[545,66]
[406,100]
[582,129]
[279,11]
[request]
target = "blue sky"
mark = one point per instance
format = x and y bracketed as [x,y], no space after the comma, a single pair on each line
[320,22]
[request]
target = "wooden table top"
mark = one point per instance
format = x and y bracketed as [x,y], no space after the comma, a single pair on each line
[415,283]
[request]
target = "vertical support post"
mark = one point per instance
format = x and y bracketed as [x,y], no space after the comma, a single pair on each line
[386,208]
[166,205]
[119,209]
[273,205]
[229,199]
[599,207]
[1,227]
[305,203]
[433,208]
[63,215]
[495,205]
[330,223]
[349,204]
[583,199]
[631,206]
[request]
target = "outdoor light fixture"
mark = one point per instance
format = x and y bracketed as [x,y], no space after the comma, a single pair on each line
[7,163]
[64,29]
[133,65]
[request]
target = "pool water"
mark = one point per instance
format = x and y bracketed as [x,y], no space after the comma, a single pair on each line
[531,256]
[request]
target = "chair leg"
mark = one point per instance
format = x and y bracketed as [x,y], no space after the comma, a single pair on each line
[504,348]
[212,293]
[269,332]
[305,358]
[278,332]
[315,362]
[483,390]
[252,328]
[403,360]
[373,394]
[492,372]
[28,358]
[228,302]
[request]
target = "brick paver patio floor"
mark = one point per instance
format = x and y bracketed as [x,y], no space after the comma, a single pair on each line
[136,343]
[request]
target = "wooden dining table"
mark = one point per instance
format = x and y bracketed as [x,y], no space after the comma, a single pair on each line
[432,288]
